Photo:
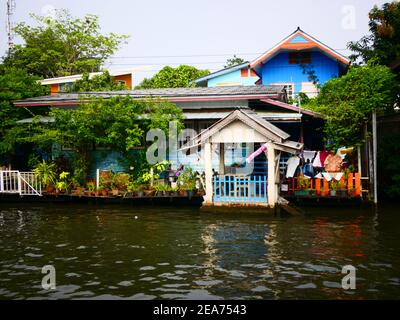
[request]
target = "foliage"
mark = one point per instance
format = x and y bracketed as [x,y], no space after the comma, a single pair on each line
[91,186]
[62,46]
[64,182]
[347,102]
[389,165]
[153,172]
[187,179]
[168,77]
[234,61]
[15,84]
[47,172]
[299,100]
[120,181]
[383,43]
[118,123]
[101,82]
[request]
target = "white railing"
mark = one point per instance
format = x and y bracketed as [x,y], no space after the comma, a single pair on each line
[22,183]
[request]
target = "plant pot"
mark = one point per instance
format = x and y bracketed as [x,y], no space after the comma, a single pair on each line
[189,193]
[140,193]
[150,193]
[115,192]
[49,189]
[301,193]
[332,193]
[104,193]
[181,192]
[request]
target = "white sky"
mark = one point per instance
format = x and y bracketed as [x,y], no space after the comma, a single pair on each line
[205,33]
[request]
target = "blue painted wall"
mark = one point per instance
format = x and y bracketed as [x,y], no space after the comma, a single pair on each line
[279,70]
[233,78]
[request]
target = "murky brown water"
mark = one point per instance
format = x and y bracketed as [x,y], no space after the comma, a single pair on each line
[171,253]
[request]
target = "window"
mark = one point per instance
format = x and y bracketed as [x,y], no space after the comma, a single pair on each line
[244,72]
[65,87]
[123,82]
[299,57]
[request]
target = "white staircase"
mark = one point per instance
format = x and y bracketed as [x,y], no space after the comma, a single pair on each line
[22,183]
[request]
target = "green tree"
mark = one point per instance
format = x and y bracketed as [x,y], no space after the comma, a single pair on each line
[119,123]
[383,42]
[168,77]
[14,85]
[62,46]
[348,102]
[101,82]
[233,61]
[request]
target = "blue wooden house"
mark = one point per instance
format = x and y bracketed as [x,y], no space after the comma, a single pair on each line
[299,62]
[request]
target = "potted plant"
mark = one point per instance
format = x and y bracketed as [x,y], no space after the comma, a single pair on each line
[303,186]
[333,188]
[175,191]
[187,182]
[63,183]
[91,186]
[47,173]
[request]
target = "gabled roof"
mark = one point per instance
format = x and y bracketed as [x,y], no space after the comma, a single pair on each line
[254,121]
[222,72]
[172,94]
[299,40]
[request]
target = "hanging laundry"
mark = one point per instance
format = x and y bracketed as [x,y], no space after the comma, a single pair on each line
[308,155]
[292,165]
[317,161]
[308,170]
[343,151]
[333,163]
[327,176]
[319,176]
[337,176]
[323,155]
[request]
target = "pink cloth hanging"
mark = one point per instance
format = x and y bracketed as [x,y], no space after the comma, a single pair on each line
[256,153]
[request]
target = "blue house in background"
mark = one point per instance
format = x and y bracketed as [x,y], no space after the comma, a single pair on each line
[239,75]
[299,62]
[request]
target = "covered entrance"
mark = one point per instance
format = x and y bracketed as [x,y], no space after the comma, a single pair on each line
[244,186]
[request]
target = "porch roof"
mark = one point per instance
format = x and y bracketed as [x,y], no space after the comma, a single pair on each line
[271,133]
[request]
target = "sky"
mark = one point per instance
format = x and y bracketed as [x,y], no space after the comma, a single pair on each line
[204,33]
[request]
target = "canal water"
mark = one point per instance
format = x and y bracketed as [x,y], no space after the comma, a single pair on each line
[116,252]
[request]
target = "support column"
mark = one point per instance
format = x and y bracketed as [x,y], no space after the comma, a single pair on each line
[208,171]
[375,155]
[221,170]
[271,175]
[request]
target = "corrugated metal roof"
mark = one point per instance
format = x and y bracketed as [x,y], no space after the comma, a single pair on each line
[197,92]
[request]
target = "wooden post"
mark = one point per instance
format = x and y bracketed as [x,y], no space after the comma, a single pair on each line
[97,179]
[221,159]
[357,184]
[272,194]
[375,155]
[350,183]
[208,171]
[326,188]
[318,186]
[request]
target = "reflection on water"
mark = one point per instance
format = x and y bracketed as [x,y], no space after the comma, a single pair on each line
[153,253]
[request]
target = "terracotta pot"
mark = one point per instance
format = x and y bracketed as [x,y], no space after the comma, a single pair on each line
[49,189]
[104,193]
[115,192]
